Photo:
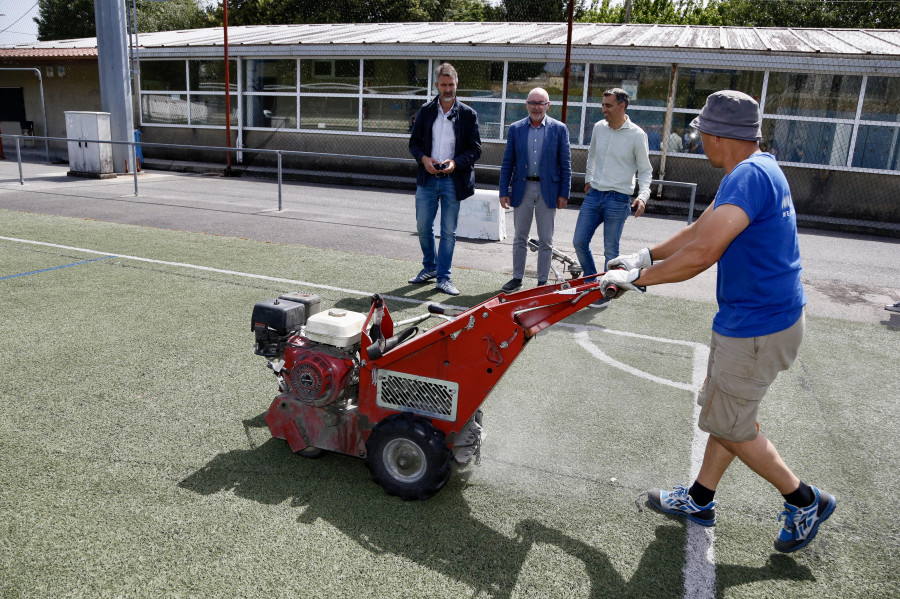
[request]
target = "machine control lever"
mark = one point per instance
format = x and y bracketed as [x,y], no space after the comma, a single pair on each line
[444,310]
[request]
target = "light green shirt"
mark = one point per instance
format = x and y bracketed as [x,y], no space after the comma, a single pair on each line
[615,156]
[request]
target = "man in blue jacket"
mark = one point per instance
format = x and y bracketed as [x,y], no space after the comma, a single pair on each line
[446,143]
[535,178]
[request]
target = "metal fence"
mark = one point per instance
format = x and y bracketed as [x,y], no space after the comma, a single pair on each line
[136,149]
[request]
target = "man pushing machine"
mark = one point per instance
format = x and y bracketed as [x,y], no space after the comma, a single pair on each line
[750,230]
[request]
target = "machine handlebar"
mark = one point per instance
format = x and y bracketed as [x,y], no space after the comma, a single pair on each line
[444,310]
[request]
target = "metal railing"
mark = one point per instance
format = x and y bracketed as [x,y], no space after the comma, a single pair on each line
[134,145]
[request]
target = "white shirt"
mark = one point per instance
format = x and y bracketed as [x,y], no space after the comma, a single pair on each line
[614,157]
[443,139]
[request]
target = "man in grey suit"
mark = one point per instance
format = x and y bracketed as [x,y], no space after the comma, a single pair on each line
[535,179]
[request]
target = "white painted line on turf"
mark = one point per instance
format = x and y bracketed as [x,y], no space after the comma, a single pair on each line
[584,341]
[699,552]
[700,549]
[209,269]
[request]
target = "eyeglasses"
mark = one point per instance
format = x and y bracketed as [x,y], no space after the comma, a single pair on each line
[530,103]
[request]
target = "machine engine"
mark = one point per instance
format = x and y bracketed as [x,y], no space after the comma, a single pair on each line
[314,354]
[318,374]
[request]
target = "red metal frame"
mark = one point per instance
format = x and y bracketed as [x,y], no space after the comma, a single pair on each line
[473,350]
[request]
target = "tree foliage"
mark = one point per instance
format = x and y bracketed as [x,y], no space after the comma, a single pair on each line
[170,15]
[542,10]
[281,12]
[874,14]
[474,10]
[809,13]
[67,19]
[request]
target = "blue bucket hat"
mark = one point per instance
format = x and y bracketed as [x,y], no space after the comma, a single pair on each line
[731,114]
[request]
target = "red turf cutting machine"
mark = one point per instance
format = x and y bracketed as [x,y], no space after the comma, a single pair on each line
[407,402]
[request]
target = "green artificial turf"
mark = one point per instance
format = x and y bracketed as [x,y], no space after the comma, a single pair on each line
[135,462]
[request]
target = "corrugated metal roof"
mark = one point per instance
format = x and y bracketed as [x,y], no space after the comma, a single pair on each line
[25,52]
[841,42]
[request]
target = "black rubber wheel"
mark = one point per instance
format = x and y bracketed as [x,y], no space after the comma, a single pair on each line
[408,457]
[311,452]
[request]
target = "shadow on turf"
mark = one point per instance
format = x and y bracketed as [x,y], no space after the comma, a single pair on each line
[424,293]
[442,534]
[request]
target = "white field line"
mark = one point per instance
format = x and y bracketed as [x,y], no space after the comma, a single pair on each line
[208,269]
[700,556]
[699,567]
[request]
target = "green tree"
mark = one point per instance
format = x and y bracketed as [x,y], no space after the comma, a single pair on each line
[871,14]
[170,16]
[280,12]
[474,10]
[875,14]
[65,19]
[68,19]
[670,12]
[542,10]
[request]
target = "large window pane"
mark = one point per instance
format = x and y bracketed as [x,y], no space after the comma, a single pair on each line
[168,108]
[807,142]
[323,76]
[401,77]
[209,75]
[691,142]
[525,76]
[593,115]
[479,78]
[877,147]
[882,100]
[210,110]
[573,119]
[651,121]
[276,112]
[381,115]
[816,95]
[516,111]
[271,76]
[163,75]
[695,85]
[488,118]
[329,113]
[646,86]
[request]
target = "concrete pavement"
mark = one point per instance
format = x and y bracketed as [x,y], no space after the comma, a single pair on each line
[846,276]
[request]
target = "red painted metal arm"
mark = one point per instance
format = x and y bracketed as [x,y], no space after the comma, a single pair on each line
[538,308]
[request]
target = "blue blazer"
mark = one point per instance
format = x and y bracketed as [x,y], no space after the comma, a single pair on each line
[468,144]
[556,162]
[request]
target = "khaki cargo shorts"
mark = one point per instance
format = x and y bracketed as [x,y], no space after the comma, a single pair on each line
[738,375]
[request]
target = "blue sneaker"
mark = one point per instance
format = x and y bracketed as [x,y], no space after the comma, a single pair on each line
[679,503]
[802,523]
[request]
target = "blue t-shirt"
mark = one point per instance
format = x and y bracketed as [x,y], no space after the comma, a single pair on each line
[758,285]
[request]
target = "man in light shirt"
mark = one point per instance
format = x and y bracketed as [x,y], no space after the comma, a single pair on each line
[618,150]
[446,143]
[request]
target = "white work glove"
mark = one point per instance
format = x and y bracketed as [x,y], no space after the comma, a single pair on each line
[616,282]
[641,259]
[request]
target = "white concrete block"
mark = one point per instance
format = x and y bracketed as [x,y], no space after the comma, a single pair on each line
[480,217]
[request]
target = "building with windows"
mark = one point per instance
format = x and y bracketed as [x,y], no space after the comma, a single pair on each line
[830,98]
